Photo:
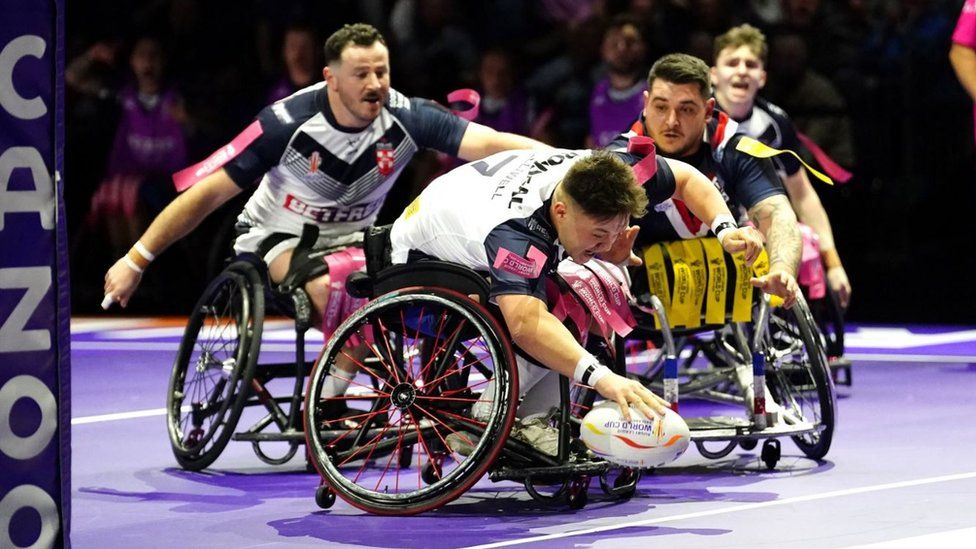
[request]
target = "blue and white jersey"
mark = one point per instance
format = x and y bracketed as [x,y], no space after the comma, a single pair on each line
[493,216]
[771,125]
[313,170]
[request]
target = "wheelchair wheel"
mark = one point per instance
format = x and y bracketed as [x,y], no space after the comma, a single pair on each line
[214,366]
[435,373]
[798,376]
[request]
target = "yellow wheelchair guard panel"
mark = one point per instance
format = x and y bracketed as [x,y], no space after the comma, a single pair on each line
[699,283]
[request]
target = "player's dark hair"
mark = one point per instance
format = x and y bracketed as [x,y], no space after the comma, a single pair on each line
[358,34]
[681,68]
[604,186]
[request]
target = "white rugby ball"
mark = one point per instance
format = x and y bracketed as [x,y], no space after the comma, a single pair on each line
[640,443]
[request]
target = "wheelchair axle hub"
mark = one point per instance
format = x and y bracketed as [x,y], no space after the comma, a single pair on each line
[403,395]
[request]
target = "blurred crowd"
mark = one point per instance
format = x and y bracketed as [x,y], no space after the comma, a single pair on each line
[155,86]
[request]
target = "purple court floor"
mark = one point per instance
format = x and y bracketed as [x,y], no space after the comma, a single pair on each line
[901,471]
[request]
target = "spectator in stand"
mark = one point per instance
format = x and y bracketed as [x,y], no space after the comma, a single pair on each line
[299,51]
[620,94]
[149,143]
[504,107]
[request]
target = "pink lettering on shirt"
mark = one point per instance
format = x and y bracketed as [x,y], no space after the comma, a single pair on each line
[530,267]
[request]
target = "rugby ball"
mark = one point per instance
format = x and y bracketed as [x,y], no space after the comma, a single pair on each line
[640,443]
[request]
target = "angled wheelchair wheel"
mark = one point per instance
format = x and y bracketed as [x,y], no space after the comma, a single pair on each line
[214,366]
[435,374]
[798,377]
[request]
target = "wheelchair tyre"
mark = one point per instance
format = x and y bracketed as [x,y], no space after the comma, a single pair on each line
[798,376]
[212,372]
[430,356]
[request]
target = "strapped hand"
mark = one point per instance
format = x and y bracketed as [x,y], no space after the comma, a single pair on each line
[744,239]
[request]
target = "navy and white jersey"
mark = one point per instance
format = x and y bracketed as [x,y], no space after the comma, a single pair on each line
[743,180]
[313,170]
[771,125]
[493,216]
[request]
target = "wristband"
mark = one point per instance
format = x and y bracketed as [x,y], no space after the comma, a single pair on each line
[589,371]
[143,251]
[131,264]
[830,258]
[722,224]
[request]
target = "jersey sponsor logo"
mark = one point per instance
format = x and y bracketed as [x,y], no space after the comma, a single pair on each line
[314,161]
[526,267]
[384,158]
[334,214]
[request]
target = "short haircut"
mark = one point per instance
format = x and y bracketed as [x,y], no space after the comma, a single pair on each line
[743,35]
[358,34]
[604,186]
[681,68]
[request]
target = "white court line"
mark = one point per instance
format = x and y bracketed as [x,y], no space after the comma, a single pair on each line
[882,357]
[172,346]
[121,415]
[315,348]
[734,509]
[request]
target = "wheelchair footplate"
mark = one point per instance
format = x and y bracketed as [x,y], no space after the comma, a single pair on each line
[728,428]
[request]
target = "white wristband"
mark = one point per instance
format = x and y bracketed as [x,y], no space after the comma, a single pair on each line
[146,254]
[131,264]
[722,224]
[589,370]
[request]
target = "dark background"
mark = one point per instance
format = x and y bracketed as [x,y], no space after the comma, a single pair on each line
[903,224]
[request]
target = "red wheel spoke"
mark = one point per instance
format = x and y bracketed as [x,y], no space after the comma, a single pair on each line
[391,370]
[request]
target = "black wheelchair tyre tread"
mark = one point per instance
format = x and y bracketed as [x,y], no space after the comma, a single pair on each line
[240,272]
[820,371]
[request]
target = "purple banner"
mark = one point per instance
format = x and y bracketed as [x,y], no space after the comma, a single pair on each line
[34,313]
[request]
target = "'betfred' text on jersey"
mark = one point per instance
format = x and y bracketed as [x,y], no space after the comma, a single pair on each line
[331,214]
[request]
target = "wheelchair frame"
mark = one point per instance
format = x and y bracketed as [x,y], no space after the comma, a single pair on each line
[217,376]
[731,363]
[422,385]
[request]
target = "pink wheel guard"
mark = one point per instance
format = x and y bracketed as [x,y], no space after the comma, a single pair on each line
[341,304]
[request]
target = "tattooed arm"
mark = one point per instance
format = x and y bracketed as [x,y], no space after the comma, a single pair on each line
[776,221]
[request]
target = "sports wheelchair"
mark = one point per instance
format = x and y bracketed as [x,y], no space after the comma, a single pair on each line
[216,374]
[434,400]
[717,340]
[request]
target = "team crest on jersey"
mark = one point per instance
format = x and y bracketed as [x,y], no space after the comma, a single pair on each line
[314,161]
[384,158]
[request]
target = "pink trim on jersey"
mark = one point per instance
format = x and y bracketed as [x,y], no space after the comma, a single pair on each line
[187,177]
[512,262]
[965,33]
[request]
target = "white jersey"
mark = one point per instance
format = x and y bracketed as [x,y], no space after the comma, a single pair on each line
[313,170]
[492,216]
